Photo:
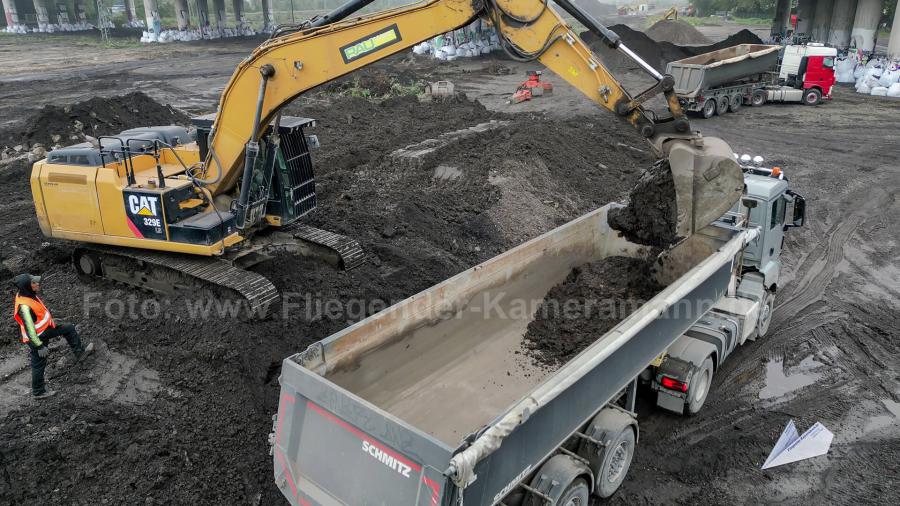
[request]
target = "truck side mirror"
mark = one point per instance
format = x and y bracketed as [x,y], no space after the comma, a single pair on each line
[799,217]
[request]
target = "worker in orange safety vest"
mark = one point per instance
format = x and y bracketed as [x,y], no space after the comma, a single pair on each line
[37,328]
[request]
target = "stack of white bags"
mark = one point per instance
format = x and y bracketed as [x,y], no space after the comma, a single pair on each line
[878,77]
[65,27]
[166,36]
[474,40]
[16,29]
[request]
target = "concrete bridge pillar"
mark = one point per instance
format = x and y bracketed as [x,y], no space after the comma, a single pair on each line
[782,17]
[130,11]
[238,6]
[806,11]
[219,12]
[203,14]
[268,15]
[151,13]
[865,24]
[80,14]
[894,42]
[12,14]
[822,20]
[842,23]
[182,14]
[41,15]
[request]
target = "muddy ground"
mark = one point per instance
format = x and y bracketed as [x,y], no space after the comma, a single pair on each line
[177,409]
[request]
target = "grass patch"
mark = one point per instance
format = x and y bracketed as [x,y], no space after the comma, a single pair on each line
[362,88]
[714,21]
[88,39]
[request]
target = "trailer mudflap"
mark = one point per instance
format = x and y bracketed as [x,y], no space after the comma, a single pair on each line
[340,450]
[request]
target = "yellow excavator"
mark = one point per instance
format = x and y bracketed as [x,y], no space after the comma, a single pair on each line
[155,208]
[671,14]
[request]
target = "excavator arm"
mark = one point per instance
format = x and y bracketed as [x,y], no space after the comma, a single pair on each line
[296,59]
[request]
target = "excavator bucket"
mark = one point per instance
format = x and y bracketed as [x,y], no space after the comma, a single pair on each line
[708,181]
[695,183]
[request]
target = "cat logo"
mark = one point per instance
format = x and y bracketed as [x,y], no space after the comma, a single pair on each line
[142,205]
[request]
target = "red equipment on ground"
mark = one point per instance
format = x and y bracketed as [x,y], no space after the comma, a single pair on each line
[533,87]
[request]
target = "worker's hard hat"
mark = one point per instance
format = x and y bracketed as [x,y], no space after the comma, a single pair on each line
[757,160]
[745,159]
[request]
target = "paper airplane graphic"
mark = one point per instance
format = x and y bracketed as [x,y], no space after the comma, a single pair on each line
[792,447]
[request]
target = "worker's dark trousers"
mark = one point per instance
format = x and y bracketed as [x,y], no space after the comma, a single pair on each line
[38,364]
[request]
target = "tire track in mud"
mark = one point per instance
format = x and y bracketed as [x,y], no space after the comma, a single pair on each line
[819,269]
[820,273]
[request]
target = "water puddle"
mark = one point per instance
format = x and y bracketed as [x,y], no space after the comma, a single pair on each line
[881,421]
[779,383]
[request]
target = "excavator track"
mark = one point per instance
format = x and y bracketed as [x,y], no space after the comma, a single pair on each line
[100,261]
[350,252]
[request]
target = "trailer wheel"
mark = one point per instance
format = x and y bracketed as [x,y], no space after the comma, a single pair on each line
[616,461]
[759,98]
[765,314]
[735,103]
[577,494]
[709,109]
[722,106]
[699,389]
[561,481]
[812,96]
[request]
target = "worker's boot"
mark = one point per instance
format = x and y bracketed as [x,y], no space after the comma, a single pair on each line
[87,351]
[46,395]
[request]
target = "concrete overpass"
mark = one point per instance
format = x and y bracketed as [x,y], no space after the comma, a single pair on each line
[42,13]
[841,23]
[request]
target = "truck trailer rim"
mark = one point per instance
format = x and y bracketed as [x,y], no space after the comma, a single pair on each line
[617,462]
[701,386]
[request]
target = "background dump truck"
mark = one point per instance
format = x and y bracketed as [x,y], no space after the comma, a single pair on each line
[415,404]
[753,74]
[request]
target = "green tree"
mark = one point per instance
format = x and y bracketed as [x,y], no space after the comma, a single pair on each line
[742,8]
[890,8]
[708,7]
[754,8]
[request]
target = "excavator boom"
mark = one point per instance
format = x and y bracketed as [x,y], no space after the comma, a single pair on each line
[707,179]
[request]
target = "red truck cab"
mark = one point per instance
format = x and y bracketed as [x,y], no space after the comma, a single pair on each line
[809,67]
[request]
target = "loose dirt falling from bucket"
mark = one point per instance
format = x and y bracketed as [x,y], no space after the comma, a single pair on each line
[650,216]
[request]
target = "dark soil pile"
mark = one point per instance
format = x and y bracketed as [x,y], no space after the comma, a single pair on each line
[196,431]
[657,54]
[98,116]
[374,82]
[592,299]
[676,32]
[651,214]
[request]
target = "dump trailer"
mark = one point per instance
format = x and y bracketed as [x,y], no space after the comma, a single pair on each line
[432,401]
[752,74]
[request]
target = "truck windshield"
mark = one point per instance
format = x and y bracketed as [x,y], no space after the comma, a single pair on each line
[828,63]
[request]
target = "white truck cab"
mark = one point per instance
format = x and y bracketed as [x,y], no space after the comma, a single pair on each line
[682,376]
